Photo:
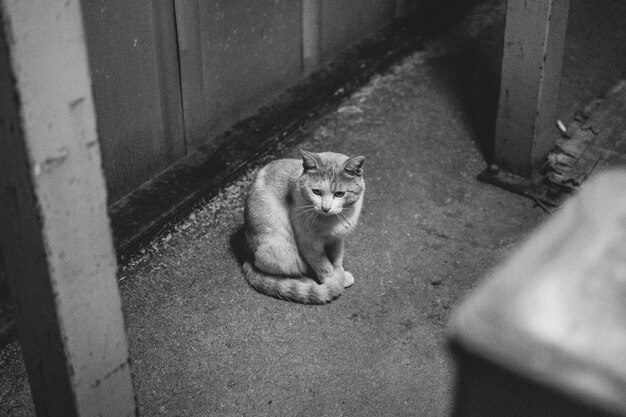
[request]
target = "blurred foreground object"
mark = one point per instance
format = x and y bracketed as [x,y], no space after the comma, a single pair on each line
[55,237]
[545,334]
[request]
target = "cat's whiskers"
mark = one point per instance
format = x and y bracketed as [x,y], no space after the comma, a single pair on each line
[348,211]
[305,209]
[311,217]
[343,217]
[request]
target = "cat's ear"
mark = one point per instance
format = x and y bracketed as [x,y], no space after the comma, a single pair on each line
[308,161]
[354,166]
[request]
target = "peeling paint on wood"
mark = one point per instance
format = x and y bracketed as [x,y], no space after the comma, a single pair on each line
[56,239]
[531,68]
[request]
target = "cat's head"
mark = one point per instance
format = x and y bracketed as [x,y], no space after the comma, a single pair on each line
[331,182]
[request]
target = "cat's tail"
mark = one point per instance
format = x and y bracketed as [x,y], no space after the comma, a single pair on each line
[300,290]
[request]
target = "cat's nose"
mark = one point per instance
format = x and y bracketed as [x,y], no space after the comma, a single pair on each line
[325,209]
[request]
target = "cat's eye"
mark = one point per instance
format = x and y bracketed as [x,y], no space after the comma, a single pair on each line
[339,194]
[316,191]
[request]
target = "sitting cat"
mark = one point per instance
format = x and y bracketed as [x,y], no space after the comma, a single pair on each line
[297,214]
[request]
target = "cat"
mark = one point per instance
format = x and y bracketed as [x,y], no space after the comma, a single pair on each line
[297,215]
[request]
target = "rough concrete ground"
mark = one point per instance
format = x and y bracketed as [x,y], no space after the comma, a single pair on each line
[428,233]
[204,343]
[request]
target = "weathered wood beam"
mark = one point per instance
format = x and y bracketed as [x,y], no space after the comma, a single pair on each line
[54,227]
[531,69]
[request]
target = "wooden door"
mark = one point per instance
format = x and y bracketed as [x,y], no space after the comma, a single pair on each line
[234,55]
[134,67]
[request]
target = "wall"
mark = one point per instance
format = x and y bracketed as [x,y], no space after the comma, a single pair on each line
[345,22]
[171,75]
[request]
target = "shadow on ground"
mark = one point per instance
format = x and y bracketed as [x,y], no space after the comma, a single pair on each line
[472,65]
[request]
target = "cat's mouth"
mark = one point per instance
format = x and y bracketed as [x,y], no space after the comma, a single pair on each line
[327,212]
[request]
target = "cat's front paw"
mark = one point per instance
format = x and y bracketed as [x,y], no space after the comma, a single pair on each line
[348,279]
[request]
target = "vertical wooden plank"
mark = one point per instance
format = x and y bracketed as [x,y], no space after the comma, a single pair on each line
[168,73]
[234,57]
[310,35]
[133,57]
[531,69]
[55,233]
[191,67]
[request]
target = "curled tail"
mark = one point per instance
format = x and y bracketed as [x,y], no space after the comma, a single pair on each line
[300,290]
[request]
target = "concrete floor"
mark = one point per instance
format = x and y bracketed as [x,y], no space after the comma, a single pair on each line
[204,343]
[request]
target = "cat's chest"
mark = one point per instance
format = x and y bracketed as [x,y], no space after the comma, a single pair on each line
[331,229]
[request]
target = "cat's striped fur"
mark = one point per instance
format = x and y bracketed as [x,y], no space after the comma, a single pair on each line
[297,214]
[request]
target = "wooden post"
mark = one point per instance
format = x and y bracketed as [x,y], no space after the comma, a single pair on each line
[311,55]
[54,228]
[531,70]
